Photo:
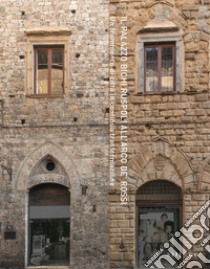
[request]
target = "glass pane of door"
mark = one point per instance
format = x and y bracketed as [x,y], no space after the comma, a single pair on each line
[49,225]
[49,242]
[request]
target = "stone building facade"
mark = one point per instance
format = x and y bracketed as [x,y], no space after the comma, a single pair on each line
[54,142]
[166,129]
[71,195]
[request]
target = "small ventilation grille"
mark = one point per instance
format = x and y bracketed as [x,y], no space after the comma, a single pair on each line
[159,190]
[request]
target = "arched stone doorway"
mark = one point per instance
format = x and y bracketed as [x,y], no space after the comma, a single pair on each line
[48,164]
[159,216]
[49,225]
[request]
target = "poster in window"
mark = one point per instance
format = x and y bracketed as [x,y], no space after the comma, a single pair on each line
[155,228]
[38,244]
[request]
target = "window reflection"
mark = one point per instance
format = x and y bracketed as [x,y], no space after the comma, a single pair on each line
[167,69]
[50,242]
[152,69]
[42,71]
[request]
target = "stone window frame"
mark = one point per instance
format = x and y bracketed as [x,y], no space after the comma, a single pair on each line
[161,36]
[50,36]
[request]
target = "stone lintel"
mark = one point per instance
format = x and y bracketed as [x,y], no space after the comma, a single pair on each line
[159,26]
[47,31]
[159,29]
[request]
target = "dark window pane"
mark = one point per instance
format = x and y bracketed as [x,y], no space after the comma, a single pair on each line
[151,69]
[42,57]
[49,242]
[57,57]
[167,69]
[49,194]
[49,225]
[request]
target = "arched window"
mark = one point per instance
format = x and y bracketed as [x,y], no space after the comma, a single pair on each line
[159,211]
[49,225]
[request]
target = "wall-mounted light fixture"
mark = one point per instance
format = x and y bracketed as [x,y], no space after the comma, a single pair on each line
[23,15]
[122,246]
[84,189]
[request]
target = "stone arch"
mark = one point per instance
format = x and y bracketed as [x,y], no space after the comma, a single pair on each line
[161,160]
[165,2]
[162,14]
[22,180]
[204,181]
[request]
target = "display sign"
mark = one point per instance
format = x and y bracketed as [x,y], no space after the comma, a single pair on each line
[10,235]
[156,226]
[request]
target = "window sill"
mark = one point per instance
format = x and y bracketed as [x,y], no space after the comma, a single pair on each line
[159,93]
[45,95]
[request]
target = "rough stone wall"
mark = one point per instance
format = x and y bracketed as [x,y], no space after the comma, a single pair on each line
[170,128]
[72,128]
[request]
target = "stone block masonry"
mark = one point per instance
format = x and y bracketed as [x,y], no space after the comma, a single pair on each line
[71,128]
[167,130]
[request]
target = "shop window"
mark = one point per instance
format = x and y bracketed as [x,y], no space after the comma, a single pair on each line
[158,218]
[159,69]
[48,69]
[49,225]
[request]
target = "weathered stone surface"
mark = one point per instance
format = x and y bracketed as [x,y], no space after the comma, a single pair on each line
[168,132]
[72,128]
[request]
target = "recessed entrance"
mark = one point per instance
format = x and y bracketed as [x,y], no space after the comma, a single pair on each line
[159,209]
[49,225]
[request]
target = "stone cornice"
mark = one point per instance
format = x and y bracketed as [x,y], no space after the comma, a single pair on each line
[40,31]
